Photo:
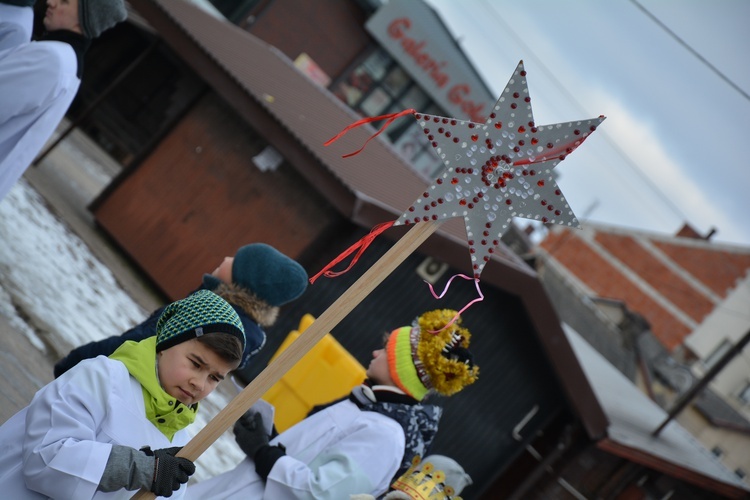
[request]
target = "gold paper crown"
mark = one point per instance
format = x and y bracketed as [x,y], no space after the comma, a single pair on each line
[425,483]
[447,375]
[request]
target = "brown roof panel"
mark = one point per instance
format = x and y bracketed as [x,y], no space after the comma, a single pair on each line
[313,115]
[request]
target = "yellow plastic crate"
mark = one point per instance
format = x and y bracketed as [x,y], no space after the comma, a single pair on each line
[327,372]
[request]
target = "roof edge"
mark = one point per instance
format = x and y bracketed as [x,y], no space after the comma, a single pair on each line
[683,473]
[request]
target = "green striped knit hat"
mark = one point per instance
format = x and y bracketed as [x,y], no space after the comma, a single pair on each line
[195,315]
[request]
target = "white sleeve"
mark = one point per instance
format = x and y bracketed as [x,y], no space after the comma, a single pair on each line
[61,455]
[34,76]
[364,461]
[38,82]
[16,25]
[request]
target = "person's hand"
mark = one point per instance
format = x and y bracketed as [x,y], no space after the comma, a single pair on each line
[250,434]
[170,472]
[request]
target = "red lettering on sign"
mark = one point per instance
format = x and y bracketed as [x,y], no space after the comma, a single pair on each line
[415,49]
[458,95]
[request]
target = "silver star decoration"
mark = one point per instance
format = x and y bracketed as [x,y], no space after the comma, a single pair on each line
[498,170]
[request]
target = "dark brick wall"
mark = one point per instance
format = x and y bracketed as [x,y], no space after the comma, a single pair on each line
[331,32]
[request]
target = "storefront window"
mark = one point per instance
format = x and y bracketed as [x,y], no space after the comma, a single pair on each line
[744,395]
[412,145]
[396,81]
[375,103]
[379,86]
[356,85]
[415,98]
[377,64]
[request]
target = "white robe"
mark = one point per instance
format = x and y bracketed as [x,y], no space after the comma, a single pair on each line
[331,454]
[58,446]
[16,25]
[38,83]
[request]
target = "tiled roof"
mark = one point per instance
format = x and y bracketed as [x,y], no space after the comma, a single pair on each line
[674,282]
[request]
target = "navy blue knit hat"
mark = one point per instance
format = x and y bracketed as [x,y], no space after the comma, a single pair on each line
[197,314]
[267,273]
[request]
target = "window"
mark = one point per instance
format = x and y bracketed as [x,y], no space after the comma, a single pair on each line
[396,81]
[717,452]
[380,86]
[744,394]
[717,354]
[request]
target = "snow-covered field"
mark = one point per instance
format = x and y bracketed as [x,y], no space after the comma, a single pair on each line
[60,295]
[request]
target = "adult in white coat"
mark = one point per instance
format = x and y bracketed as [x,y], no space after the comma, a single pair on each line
[110,426]
[362,443]
[40,79]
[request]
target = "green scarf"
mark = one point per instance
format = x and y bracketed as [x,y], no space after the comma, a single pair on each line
[162,410]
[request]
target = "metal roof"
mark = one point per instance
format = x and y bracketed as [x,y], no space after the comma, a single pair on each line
[633,417]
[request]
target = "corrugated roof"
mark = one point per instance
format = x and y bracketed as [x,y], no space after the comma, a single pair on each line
[633,418]
[313,115]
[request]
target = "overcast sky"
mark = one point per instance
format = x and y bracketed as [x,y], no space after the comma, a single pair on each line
[672,148]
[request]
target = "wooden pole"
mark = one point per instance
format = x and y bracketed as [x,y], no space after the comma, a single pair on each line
[311,336]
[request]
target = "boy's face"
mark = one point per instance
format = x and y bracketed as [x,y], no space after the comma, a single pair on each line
[378,371]
[224,271]
[62,15]
[189,371]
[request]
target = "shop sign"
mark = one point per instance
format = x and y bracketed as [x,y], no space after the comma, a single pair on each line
[414,36]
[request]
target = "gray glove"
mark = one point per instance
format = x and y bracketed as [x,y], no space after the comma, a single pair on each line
[127,468]
[158,471]
[250,434]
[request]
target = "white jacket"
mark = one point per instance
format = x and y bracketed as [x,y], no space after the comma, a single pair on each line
[331,454]
[58,446]
[16,25]
[37,85]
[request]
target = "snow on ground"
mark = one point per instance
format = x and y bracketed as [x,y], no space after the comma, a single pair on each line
[57,292]
[68,296]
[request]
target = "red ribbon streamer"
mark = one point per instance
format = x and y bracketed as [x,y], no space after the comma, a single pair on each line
[360,246]
[447,285]
[389,119]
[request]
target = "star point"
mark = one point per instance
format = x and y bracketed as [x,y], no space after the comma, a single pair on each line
[497,170]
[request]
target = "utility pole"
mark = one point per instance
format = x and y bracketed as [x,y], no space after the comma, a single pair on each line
[686,398]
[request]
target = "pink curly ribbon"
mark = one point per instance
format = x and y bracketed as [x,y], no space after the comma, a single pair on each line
[447,285]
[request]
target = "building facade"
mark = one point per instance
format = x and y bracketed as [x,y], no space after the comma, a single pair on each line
[692,295]
[219,114]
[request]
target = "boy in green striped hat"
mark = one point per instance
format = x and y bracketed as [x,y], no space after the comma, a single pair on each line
[116,423]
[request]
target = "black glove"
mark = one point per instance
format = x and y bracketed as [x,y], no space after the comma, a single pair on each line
[250,434]
[170,472]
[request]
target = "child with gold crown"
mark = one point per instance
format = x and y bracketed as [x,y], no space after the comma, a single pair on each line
[362,443]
